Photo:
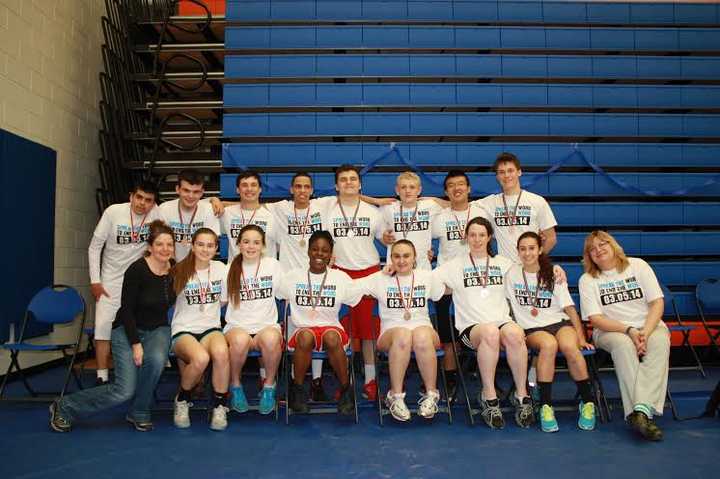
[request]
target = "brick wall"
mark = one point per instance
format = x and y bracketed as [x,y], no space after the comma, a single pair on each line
[49,92]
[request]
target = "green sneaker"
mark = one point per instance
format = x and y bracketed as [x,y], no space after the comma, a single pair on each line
[548,423]
[586,416]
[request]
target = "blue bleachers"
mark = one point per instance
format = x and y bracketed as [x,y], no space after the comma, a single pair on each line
[472,10]
[669,273]
[665,243]
[468,94]
[637,214]
[556,185]
[473,37]
[457,65]
[474,124]
[301,155]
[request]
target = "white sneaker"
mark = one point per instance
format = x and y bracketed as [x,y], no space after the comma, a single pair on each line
[181,414]
[396,405]
[218,418]
[428,404]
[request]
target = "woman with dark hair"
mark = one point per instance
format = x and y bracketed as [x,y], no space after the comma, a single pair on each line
[140,340]
[197,338]
[622,298]
[482,317]
[545,310]
[251,317]
[405,326]
[315,295]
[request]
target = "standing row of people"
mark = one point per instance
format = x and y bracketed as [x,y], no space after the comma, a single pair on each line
[464,229]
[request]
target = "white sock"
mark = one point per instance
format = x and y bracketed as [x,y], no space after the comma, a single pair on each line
[317,368]
[103,374]
[269,386]
[262,373]
[369,372]
[532,376]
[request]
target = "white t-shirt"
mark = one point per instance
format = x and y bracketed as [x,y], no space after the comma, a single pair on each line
[416,223]
[338,289]
[425,286]
[204,218]
[256,309]
[533,214]
[114,232]
[290,230]
[196,309]
[235,218]
[355,252]
[472,306]
[449,227]
[549,305]
[622,296]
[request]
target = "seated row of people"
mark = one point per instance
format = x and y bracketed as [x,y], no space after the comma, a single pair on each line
[619,295]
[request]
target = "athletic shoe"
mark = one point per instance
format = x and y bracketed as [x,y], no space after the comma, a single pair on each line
[267,400]
[524,414]
[645,426]
[100,382]
[317,393]
[140,426]
[181,414]
[548,423]
[238,401]
[586,416]
[370,390]
[396,404]
[218,418]
[298,399]
[491,413]
[451,387]
[57,422]
[346,404]
[428,404]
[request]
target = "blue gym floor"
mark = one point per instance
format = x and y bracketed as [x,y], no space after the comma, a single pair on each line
[323,446]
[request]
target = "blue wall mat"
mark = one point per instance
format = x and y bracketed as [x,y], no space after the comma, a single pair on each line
[27,172]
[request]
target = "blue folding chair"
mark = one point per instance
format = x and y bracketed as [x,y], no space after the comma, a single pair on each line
[685,330]
[53,305]
[707,297]
[383,357]
[326,406]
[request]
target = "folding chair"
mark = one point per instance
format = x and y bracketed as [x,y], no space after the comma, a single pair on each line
[383,359]
[57,304]
[685,330]
[315,407]
[707,296]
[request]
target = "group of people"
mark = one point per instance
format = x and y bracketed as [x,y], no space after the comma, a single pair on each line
[319,254]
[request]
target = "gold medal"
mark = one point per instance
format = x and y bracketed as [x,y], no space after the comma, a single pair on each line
[407,316]
[534,312]
[302,243]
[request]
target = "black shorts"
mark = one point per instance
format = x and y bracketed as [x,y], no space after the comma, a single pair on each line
[464,337]
[197,336]
[550,328]
[445,323]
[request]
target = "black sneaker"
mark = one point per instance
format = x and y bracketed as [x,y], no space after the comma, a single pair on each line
[645,426]
[100,382]
[298,399]
[491,413]
[57,422]
[140,426]
[317,393]
[524,412]
[346,404]
[452,388]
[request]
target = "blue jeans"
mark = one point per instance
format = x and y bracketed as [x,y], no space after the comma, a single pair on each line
[131,382]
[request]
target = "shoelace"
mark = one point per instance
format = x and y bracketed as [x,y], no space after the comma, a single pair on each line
[588,410]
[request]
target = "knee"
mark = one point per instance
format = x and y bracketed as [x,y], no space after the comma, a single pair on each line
[122,390]
[549,348]
[304,341]
[422,341]
[515,339]
[331,341]
[270,342]
[200,360]
[239,342]
[219,354]
[155,358]
[402,340]
[490,337]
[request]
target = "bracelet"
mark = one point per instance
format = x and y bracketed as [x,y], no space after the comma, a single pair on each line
[627,331]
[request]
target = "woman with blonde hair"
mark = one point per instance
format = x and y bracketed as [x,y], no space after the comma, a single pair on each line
[622,298]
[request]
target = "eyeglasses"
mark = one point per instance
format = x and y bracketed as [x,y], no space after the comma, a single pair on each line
[595,249]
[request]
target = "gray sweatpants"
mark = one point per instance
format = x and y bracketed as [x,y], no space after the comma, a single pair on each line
[640,381]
